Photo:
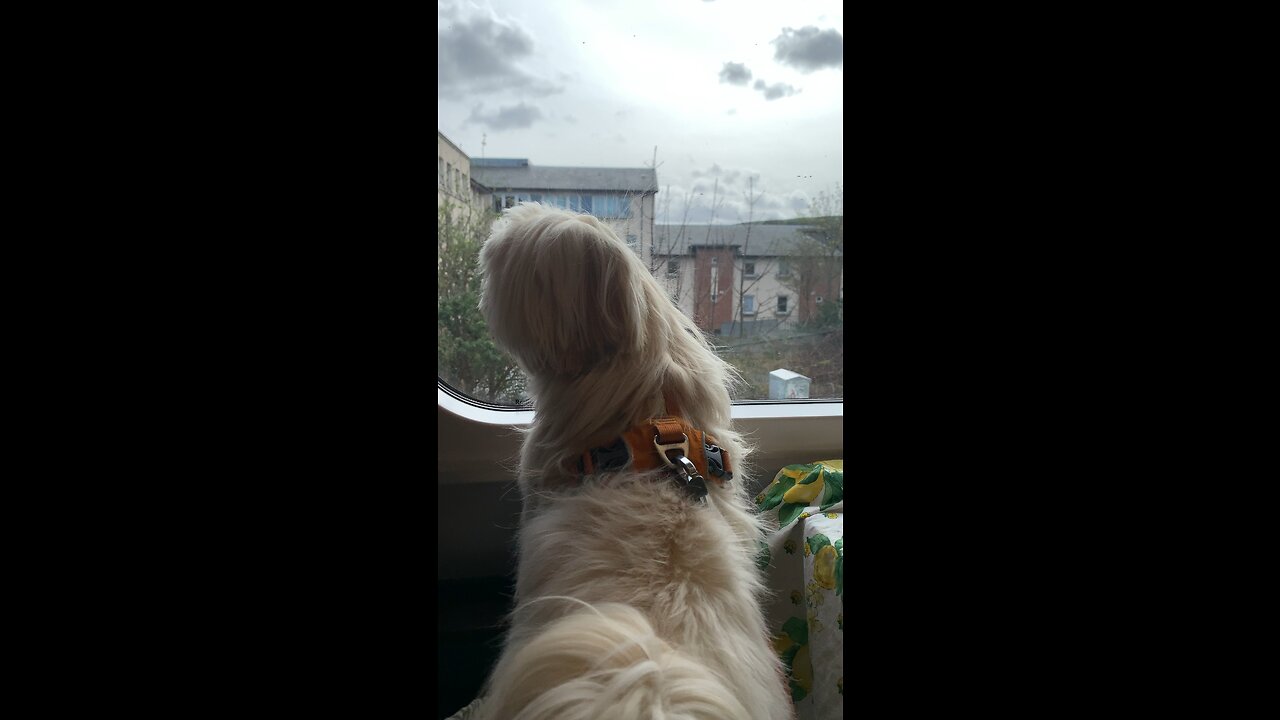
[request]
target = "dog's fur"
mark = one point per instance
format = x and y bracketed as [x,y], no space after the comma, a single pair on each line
[633,601]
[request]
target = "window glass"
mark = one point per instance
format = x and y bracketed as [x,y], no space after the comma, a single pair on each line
[706,154]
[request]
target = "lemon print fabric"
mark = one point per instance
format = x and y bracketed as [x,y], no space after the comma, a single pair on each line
[792,646]
[805,574]
[828,561]
[819,485]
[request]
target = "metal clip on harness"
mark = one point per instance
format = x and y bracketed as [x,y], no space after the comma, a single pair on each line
[686,472]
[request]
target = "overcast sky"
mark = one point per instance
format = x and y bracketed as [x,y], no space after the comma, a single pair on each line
[728,89]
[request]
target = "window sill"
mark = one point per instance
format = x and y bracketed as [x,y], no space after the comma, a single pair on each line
[783,432]
[742,410]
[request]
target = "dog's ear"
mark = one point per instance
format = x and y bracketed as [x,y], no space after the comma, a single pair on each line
[561,292]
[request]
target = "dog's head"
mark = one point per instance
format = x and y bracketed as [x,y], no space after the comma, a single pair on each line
[562,294]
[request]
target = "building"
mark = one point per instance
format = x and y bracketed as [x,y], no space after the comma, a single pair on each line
[454,183]
[731,279]
[776,275]
[622,197]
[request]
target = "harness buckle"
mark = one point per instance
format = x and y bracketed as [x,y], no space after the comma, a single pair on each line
[686,471]
[664,448]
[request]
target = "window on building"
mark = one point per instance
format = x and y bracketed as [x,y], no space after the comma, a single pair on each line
[673,267]
[439,167]
[782,304]
[509,201]
[610,206]
[749,269]
[784,268]
[748,304]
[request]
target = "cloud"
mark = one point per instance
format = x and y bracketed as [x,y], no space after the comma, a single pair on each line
[735,74]
[516,116]
[775,91]
[809,49]
[484,54]
[732,111]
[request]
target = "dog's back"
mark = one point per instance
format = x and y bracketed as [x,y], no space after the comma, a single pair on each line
[636,604]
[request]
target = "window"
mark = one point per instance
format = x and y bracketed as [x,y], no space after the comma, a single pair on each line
[612,206]
[439,167]
[585,156]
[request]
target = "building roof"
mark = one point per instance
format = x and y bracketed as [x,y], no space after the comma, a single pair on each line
[500,162]
[508,174]
[766,240]
[443,137]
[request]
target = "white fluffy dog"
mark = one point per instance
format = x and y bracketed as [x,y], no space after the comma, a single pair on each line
[637,594]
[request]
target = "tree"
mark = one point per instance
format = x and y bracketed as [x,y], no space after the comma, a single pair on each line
[466,357]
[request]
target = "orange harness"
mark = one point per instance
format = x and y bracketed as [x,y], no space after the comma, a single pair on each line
[664,442]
